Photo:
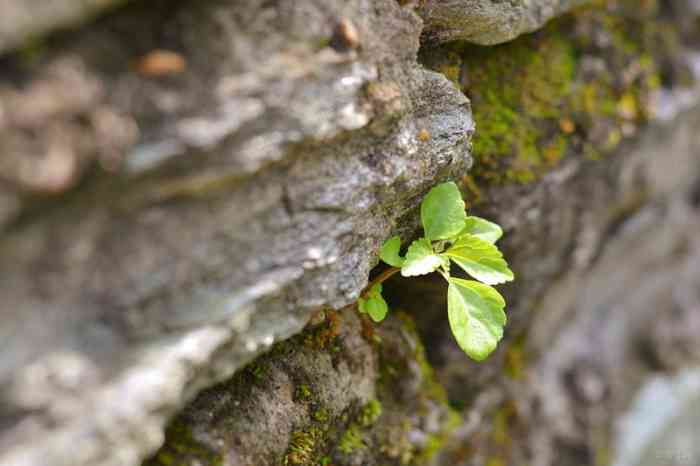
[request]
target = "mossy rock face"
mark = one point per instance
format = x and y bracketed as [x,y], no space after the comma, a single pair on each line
[344,392]
[184,448]
[578,87]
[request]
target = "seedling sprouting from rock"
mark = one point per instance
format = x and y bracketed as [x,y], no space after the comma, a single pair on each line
[474,307]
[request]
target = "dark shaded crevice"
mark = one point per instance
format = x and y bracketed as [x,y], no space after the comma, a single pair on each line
[694,195]
[424,299]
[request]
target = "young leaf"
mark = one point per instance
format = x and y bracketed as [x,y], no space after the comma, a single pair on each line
[390,252]
[482,229]
[480,259]
[420,259]
[442,212]
[362,305]
[377,308]
[373,304]
[476,316]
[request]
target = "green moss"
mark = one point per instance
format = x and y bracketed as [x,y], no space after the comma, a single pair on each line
[500,433]
[258,371]
[430,387]
[303,392]
[497,443]
[370,413]
[518,91]
[181,449]
[33,51]
[353,437]
[516,361]
[351,440]
[557,91]
[397,440]
[302,448]
[436,442]
[321,415]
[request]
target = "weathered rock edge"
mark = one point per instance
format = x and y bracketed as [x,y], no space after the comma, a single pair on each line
[480,21]
[488,22]
[25,20]
[257,185]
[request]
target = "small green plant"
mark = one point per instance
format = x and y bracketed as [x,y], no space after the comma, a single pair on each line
[474,307]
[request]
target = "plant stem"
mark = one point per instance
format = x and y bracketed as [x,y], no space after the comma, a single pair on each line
[382,277]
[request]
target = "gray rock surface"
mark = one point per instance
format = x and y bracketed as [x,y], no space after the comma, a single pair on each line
[343,392]
[184,185]
[488,22]
[230,198]
[30,19]
[662,425]
[479,21]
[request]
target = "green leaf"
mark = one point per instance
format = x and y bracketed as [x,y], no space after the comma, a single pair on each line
[482,229]
[375,291]
[390,252]
[377,308]
[362,305]
[480,259]
[420,259]
[476,316]
[442,212]
[373,304]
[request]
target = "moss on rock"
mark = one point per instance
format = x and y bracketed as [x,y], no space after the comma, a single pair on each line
[183,449]
[315,399]
[579,86]
[302,447]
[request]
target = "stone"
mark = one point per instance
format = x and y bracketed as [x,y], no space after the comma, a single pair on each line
[24,21]
[342,392]
[229,202]
[184,186]
[662,423]
[488,22]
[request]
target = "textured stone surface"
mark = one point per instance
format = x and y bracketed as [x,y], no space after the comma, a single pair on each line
[488,22]
[479,21]
[237,194]
[184,184]
[662,425]
[30,19]
[344,392]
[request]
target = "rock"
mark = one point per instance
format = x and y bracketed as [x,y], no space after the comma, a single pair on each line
[662,421]
[488,22]
[183,186]
[22,21]
[229,201]
[342,392]
[480,21]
